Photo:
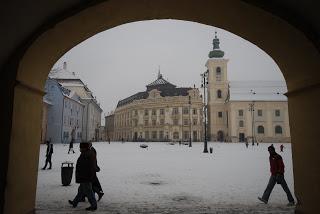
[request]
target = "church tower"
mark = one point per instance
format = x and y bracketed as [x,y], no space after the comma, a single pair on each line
[217,93]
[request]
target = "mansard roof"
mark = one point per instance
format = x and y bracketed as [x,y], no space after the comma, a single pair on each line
[159,83]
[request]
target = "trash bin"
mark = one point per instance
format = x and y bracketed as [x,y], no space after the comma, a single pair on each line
[66,172]
[211,149]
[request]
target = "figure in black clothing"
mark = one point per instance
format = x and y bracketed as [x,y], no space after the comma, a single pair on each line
[48,154]
[109,140]
[72,141]
[247,144]
[85,173]
[281,148]
[96,186]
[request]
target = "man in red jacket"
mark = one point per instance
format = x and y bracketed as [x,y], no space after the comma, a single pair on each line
[277,176]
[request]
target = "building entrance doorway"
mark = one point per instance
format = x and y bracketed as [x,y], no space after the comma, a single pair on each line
[220,137]
[241,137]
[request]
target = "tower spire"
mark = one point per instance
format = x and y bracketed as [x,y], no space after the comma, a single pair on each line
[159,74]
[216,52]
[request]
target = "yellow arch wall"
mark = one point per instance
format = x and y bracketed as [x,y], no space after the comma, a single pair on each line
[296,56]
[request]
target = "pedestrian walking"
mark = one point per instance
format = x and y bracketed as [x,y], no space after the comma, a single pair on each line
[96,186]
[109,140]
[72,141]
[247,144]
[277,176]
[85,173]
[49,152]
[281,148]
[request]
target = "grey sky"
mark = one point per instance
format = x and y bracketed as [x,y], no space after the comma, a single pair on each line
[119,62]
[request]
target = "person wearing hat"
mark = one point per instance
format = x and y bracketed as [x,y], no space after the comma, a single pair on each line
[277,176]
[85,173]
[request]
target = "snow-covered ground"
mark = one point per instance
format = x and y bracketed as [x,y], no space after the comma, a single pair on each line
[170,179]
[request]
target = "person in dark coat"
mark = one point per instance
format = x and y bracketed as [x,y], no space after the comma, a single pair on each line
[96,186]
[277,176]
[48,154]
[85,173]
[281,148]
[72,141]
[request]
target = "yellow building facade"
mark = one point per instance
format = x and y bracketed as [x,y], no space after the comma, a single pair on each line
[161,113]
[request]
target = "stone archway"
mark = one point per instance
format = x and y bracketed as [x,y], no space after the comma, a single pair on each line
[296,56]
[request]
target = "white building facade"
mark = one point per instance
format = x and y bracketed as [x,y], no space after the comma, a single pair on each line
[244,111]
[64,113]
[92,110]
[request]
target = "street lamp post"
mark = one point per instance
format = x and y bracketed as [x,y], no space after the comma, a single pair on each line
[190,140]
[204,84]
[251,109]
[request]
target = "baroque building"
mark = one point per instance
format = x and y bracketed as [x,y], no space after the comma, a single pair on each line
[163,112]
[247,110]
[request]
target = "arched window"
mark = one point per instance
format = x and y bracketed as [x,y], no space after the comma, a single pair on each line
[260,130]
[278,130]
[240,123]
[218,70]
[218,74]
[219,93]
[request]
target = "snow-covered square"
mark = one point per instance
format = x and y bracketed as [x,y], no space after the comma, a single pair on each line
[166,178]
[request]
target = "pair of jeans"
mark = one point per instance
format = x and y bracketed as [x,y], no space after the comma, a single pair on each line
[272,181]
[85,190]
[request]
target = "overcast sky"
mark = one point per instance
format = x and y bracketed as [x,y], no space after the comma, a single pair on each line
[121,61]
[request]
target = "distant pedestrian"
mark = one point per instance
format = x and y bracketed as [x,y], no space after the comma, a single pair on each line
[85,173]
[281,148]
[49,152]
[247,144]
[72,141]
[179,142]
[109,140]
[277,176]
[122,140]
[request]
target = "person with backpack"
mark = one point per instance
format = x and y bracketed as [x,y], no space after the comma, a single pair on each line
[277,177]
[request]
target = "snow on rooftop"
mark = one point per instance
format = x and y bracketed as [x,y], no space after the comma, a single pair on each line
[257,90]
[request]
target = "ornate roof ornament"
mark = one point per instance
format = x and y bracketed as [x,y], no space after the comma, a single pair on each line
[216,52]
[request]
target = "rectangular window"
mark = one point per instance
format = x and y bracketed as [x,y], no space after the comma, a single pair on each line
[146,122]
[154,122]
[154,112]
[175,122]
[175,135]
[185,110]
[146,134]
[259,112]
[162,122]
[220,114]
[154,135]
[195,121]
[186,134]
[194,111]
[161,135]
[185,122]
[277,113]
[161,111]
[240,112]
[175,111]
[146,112]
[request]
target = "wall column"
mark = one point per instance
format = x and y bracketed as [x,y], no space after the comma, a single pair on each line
[304,107]
[24,150]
